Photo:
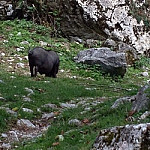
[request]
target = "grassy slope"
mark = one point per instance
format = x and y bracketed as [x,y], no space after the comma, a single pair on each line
[62,89]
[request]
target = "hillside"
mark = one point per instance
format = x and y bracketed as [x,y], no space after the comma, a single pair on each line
[67,112]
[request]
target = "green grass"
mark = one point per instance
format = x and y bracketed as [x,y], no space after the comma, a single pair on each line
[61,90]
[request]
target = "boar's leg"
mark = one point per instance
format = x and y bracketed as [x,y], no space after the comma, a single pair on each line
[55,71]
[35,71]
[31,70]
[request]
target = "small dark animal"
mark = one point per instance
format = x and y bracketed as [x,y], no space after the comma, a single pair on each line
[43,61]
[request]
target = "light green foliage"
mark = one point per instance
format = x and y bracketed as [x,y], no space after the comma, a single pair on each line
[89,83]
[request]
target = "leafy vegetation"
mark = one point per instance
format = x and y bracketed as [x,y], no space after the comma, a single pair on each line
[75,83]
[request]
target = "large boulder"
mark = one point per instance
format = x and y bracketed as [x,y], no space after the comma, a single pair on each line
[129,137]
[131,54]
[109,61]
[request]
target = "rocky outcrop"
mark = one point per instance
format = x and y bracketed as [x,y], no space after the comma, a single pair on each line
[142,99]
[109,61]
[129,137]
[124,21]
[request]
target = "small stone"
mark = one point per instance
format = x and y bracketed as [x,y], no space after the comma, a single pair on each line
[48,116]
[4,135]
[10,67]
[27,136]
[26,57]
[43,43]
[10,60]
[2,98]
[1,81]
[13,136]
[145,74]
[20,59]
[2,54]
[19,34]
[50,105]
[20,65]
[30,91]
[27,99]
[75,122]
[47,81]
[12,77]
[6,146]
[67,105]
[60,137]
[38,110]
[19,49]
[27,110]
[24,42]
[87,109]
[5,41]
[25,123]
[62,70]
[90,89]
[143,116]
[9,111]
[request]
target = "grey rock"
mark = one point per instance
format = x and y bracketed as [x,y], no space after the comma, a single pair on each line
[9,111]
[48,116]
[24,42]
[27,136]
[20,49]
[75,39]
[129,137]
[110,43]
[12,77]
[109,61]
[87,109]
[43,43]
[50,105]
[26,99]
[144,115]
[30,91]
[13,136]
[6,146]
[19,34]
[75,122]
[27,110]
[142,99]
[1,81]
[24,123]
[123,100]
[2,99]
[3,2]
[99,20]
[67,105]
[4,135]
[2,54]
[20,65]
[145,74]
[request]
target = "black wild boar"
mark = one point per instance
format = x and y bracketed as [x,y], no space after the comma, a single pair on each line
[43,61]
